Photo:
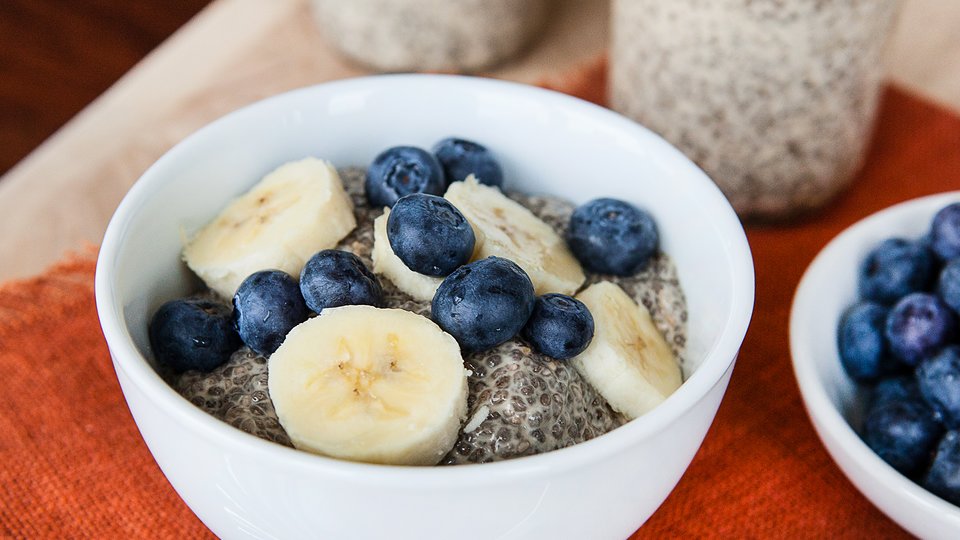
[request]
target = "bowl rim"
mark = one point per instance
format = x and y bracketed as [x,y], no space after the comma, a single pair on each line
[845,447]
[718,360]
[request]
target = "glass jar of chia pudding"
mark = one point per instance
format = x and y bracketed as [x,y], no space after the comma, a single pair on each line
[435,35]
[774,99]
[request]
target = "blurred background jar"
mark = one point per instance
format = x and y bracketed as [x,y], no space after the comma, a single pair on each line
[774,99]
[429,35]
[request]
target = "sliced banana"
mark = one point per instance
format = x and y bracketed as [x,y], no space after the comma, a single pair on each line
[420,286]
[513,232]
[628,361]
[295,211]
[370,384]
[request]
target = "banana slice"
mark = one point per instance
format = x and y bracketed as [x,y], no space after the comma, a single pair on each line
[513,232]
[628,361]
[370,384]
[294,212]
[420,286]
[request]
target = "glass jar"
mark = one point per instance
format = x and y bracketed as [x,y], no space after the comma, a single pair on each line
[774,99]
[435,35]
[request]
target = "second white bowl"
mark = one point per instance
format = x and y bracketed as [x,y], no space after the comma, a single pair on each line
[833,400]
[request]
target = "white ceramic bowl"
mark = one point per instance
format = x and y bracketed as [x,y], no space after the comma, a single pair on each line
[241,486]
[833,400]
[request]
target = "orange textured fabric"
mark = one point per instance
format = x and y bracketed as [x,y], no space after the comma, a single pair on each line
[72,463]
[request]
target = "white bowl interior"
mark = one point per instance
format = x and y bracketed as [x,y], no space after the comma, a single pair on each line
[833,400]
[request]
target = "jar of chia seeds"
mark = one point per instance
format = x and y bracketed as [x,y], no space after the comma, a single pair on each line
[436,35]
[774,99]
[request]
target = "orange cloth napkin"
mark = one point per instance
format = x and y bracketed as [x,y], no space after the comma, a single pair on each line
[72,463]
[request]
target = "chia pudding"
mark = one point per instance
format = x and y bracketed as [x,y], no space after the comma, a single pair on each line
[519,402]
[775,100]
[445,35]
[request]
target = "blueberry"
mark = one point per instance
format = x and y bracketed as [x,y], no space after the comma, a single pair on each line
[948,284]
[945,232]
[429,234]
[894,269]
[895,389]
[193,333]
[943,477]
[266,306]
[334,278]
[903,433]
[863,348]
[612,237]
[400,171]
[461,158]
[484,303]
[560,327]
[938,378]
[918,326]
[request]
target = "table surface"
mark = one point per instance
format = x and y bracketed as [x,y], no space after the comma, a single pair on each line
[237,51]
[57,57]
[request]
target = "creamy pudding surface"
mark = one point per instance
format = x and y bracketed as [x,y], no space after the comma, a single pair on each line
[519,403]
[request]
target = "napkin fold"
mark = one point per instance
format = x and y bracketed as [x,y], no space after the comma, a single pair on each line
[72,463]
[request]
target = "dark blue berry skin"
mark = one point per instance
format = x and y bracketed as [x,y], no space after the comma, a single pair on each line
[943,478]
[863,348]
[945,232]
[938,379]
[894,269]
[192,333]
[333,278]
[610,236]
[918,326]
[484,303]
[895,389]
[948,284]
[266,306]
[903,433]
[560,326]
[400,171]
[461,158]
[429,234]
